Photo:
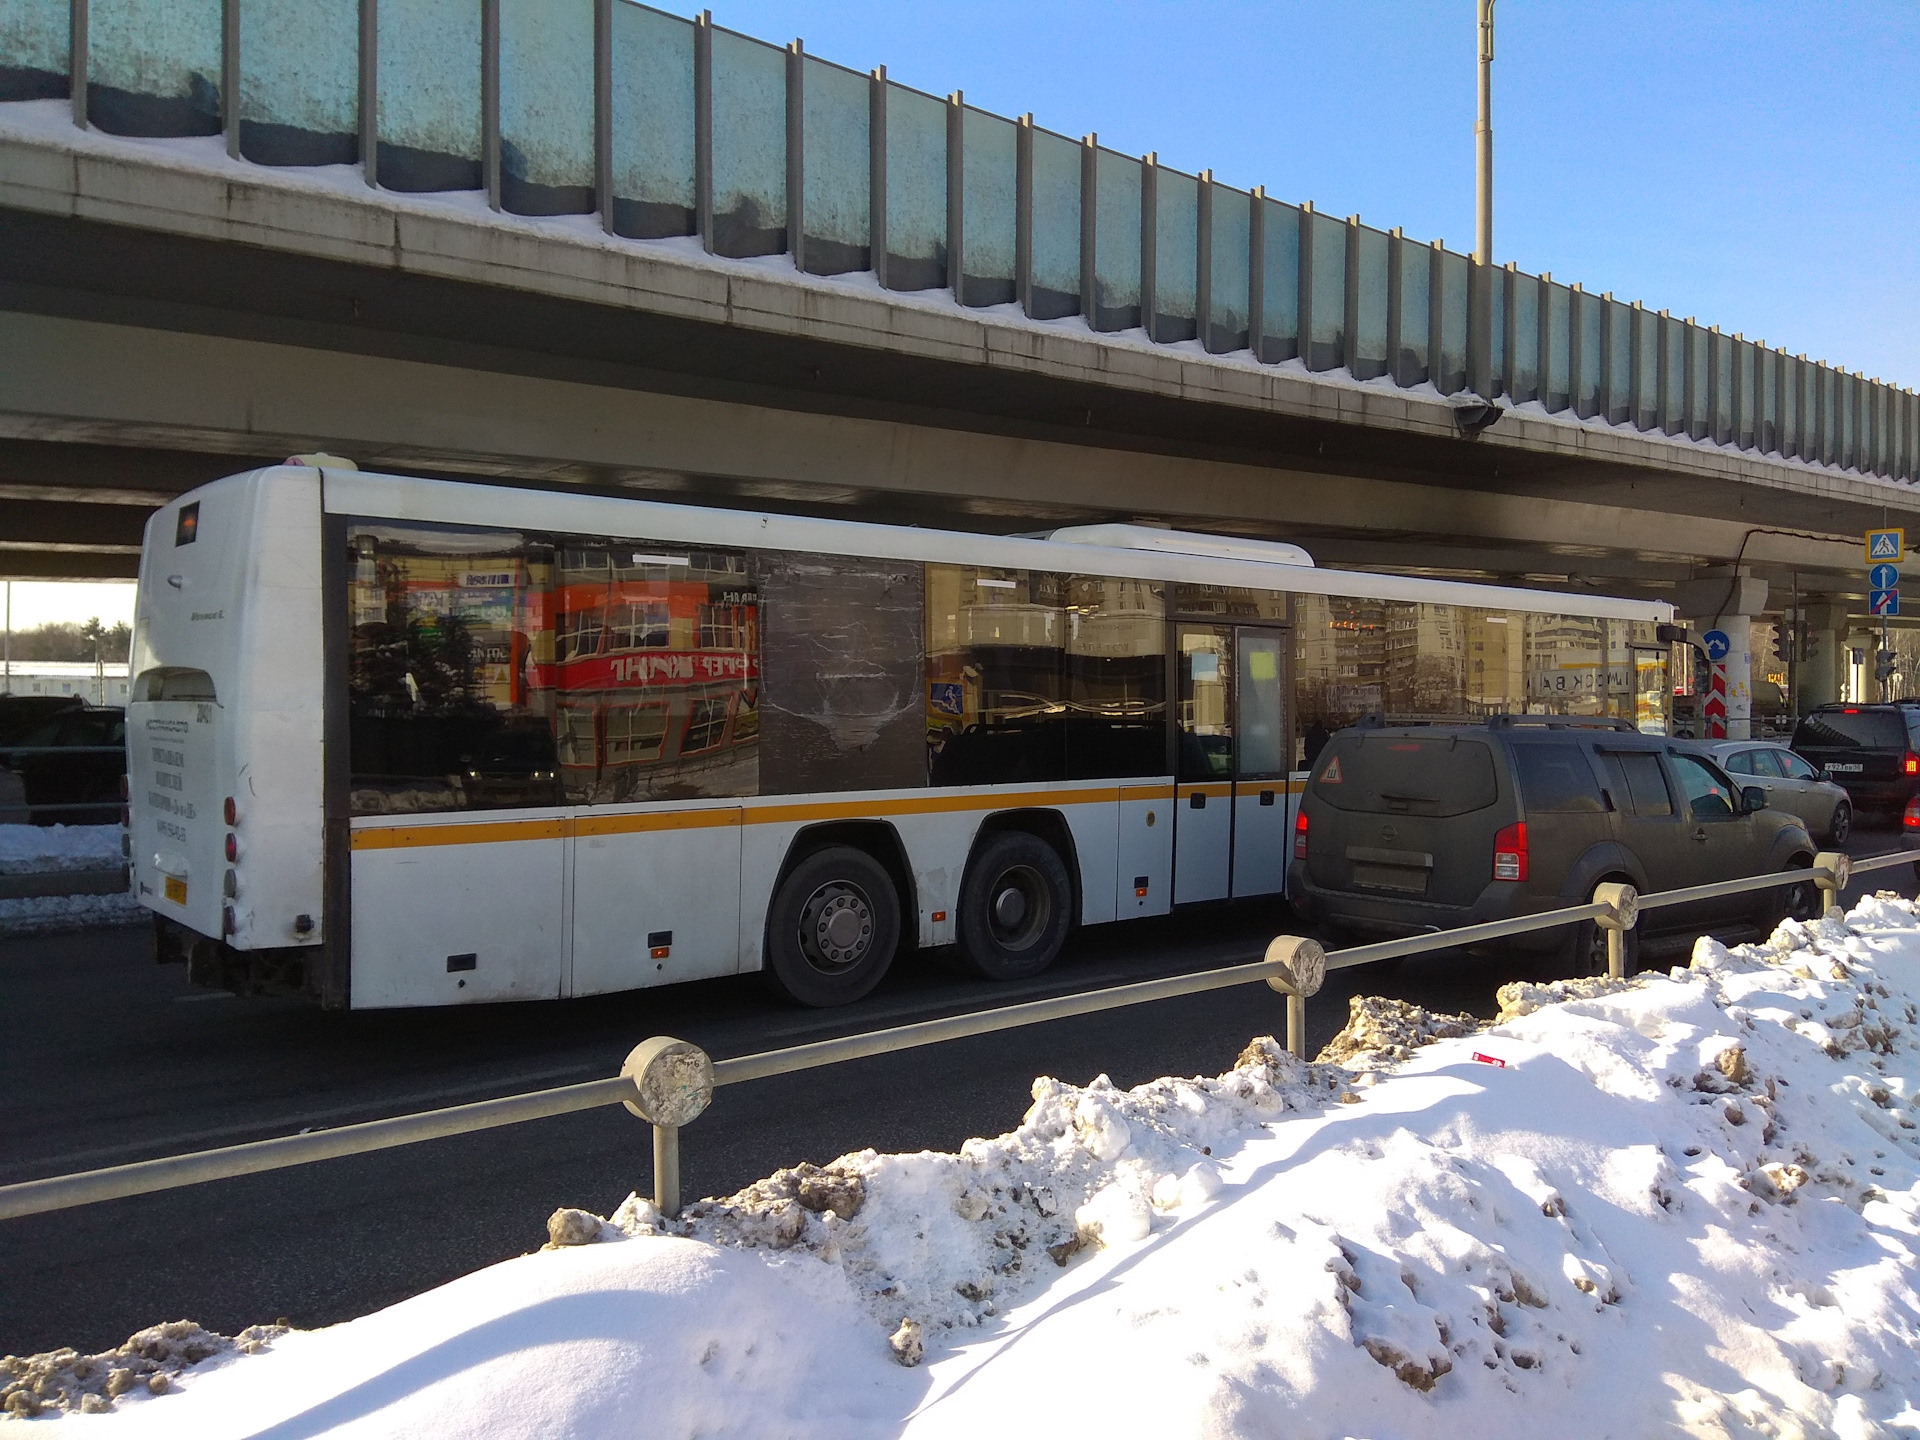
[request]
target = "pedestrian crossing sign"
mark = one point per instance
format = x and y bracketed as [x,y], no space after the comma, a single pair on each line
[1886,545]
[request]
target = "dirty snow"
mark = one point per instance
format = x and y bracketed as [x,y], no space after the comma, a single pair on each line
[51,914]
[47,849]
[1683,1205]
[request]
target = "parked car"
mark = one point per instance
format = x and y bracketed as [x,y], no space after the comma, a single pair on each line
[21,713]
[1872,750]
[82,788]
[1791,783]
[1410,829]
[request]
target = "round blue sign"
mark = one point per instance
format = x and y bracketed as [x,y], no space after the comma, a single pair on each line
[1884,577]
[1718,645]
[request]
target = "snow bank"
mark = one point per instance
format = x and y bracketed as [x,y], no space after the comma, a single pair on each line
[48,849]
[1681,1204]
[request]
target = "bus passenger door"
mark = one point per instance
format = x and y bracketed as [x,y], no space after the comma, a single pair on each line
[656,897]
[1203,797]
[1260,835]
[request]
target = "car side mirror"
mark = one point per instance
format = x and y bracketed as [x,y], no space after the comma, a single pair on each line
[1752,798]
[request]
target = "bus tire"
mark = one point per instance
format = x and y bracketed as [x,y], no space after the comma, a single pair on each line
[833,928]
[1015,907]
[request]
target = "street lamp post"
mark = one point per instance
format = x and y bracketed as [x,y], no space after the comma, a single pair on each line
[1483,143]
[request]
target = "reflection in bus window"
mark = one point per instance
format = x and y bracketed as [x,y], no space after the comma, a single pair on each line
[486,675]
[681,640]
[1116,678]
[444,624]
[1407,661]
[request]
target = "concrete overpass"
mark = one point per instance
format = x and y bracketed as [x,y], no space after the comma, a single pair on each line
[689,263]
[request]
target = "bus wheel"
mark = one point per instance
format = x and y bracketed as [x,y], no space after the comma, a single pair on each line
[833,927]
[1015,907]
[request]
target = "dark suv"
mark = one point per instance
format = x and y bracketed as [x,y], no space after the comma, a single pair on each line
[1408,829]
[1872,750]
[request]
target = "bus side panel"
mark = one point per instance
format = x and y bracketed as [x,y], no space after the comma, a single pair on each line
[1095,826]
[937,843]
[277,720]
[656,898]
[1146,849]
[448,924]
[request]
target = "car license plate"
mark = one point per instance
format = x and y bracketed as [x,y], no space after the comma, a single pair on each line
[1403,878]
[1845,769]
[176,889]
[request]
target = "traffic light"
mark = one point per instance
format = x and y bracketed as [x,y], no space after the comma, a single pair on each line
[1885,662]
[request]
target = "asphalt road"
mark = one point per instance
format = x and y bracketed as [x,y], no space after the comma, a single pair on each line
[109,1058]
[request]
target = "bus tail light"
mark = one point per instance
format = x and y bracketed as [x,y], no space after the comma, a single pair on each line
[1510,852]
[231,812]
[229,923]
[1300,835]
[233,848]
[126,800]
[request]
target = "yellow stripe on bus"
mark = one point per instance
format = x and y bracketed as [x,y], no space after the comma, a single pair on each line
[407,837]
[404,837]
[655,820]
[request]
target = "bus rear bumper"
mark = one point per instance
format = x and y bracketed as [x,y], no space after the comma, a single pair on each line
[214,965]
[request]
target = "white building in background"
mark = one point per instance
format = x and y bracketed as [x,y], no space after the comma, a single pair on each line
[96,683]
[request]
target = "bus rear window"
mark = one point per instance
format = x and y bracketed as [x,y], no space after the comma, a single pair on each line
[1406,775]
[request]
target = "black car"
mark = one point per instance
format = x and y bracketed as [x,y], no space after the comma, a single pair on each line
[81,788]
[21,713]
[1871,750]
[1417,828]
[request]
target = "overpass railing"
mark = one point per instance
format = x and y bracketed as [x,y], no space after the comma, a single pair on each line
[670,1082]
[663,126]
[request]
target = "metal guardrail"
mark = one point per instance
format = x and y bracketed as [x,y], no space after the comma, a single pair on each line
[670,1082]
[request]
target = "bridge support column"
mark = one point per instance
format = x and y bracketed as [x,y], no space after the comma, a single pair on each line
[1727,600]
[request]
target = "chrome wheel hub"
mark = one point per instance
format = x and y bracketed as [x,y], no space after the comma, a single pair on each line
[836,927]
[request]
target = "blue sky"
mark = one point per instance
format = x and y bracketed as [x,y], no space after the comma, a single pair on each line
[1754,163]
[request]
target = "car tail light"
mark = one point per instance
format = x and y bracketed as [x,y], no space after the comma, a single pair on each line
[1911,819]
[231,812]
[1510,852]
[1910,764]
[233,848]
[1300,835]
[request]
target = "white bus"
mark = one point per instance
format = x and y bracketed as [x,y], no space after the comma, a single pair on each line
[398,742]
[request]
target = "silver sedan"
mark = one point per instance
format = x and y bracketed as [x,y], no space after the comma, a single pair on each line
[1791,785]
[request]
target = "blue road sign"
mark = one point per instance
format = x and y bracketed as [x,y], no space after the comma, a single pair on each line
[1883,602]
[1718,645]
[1886,544]
[1884,577]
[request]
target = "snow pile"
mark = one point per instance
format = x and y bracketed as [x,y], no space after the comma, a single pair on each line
[149,1361]
[1680,1204]
[53,849]
[50,914]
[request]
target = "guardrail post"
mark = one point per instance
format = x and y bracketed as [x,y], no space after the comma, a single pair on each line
[1301,967]
[1623,905]
[1831,871]
[673,1084]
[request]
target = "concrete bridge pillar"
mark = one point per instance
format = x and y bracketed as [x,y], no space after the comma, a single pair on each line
[1727,600]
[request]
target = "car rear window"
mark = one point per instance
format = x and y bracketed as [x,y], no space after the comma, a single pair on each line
[1855,730]
[1556,778]
[1406,775]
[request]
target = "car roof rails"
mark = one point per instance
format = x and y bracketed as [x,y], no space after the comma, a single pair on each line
[1379,720]
[1562,722]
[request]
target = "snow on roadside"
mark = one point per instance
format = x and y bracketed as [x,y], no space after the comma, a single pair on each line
[1683,1204]
[50,849]
[53,914]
